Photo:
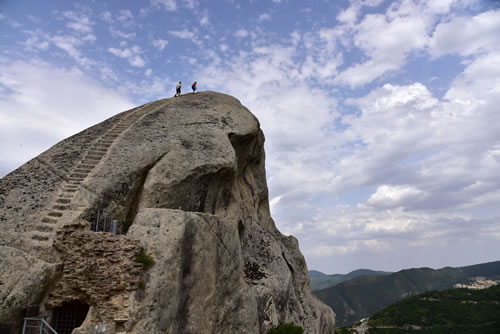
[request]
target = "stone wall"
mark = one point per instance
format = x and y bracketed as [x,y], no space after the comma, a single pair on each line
[99,269]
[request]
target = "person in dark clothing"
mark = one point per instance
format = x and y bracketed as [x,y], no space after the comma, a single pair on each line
[178,89]
[193,86]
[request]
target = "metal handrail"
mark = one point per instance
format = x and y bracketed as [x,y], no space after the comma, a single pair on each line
[43,325]
[105,222]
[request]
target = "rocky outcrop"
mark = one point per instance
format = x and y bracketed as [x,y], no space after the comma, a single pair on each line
[189,174]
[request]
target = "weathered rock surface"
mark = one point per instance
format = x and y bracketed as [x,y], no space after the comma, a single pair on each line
[189,173]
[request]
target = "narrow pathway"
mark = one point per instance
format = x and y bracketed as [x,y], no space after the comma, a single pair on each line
[43,232]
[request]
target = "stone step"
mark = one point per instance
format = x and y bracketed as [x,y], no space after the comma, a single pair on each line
[54,214]
[80,175]
[48,220]
[61,207]
[75,183]
[108,144]
[40,237]
[63,200]
[82,171]
[87,166]
[96,154]
[85,170]
[70,190]
[95,158]
[66,195]
[92,161]
[43,228]
[74,178]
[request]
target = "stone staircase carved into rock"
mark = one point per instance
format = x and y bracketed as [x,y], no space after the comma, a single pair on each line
[43,232]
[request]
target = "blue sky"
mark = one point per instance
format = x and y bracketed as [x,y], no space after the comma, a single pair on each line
[381,117]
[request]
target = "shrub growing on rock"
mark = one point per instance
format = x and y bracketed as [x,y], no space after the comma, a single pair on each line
[288,328]
[145,259]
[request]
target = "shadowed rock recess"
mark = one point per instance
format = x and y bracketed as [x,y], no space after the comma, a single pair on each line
[188,174]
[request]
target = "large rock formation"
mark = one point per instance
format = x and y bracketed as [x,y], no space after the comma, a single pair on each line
[189,174]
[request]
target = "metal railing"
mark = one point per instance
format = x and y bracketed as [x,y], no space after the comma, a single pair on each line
[105,222]
[41,324]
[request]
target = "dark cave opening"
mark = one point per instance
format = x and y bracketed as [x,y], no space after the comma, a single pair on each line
[69,316]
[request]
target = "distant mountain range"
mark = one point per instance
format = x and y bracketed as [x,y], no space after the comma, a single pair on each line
[362,296]
[322,281]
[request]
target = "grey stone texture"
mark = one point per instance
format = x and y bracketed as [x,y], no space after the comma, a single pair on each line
[189,174]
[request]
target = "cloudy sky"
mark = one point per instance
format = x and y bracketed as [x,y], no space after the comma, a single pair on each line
[381,118]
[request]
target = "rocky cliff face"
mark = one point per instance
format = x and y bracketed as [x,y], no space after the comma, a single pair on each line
[189,174]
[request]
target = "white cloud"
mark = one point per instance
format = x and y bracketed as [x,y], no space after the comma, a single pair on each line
[223,47]
[387,40]
[107,17]
[350,14]
[160,44]
[394,196]
[185,34]
[444,6]
[78,26]
[191,4]
[148,72]
[204,21]
[125,16]
[51,103]
[265,17]
[38,40]
[70,44]
[479,82]
[241,33]
[118,33]
[79,22]
[169,5]
[132,55]
[467,36]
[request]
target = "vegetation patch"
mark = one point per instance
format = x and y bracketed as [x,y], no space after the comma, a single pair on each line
[288,328]
[454,310]
[145,259]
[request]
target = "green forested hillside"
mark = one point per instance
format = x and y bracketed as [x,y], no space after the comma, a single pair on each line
[449,311]
[362,296]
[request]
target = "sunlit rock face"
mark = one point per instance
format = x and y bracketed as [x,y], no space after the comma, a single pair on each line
[188,174]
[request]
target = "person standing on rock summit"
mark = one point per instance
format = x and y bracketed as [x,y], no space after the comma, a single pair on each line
[193,87]
[178,89]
